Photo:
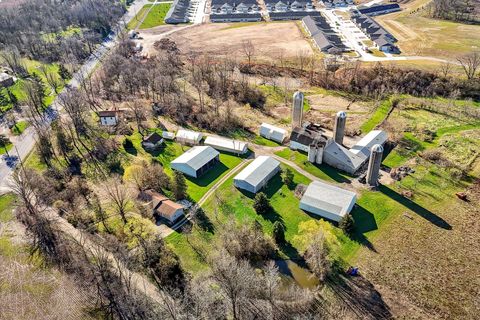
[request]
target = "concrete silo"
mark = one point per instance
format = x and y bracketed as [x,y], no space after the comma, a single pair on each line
[339,128]
[297,109]
[374,163]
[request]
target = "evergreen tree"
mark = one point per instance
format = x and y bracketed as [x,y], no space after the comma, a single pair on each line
[4,142]
[347,224]
[12,97]
[179,186]
[279,232]
[64,73]
[262,204]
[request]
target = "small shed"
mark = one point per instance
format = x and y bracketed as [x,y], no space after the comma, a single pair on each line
[168,135]
[273,133]
[6,80]
[188,137]
[327,201]
[257,174]
[224,144]
[196,161]
[152,141]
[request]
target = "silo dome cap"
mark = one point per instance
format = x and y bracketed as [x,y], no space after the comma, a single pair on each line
[377,148]
[341,114]
[298,93]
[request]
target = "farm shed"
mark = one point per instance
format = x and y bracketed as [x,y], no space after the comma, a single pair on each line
[273,133]
[189,137]
[257,174]
[224,144]
[196,161]
[327,201]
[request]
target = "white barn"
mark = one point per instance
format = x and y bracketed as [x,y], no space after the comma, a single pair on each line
[327,201]
[273,133]
[196,161]
[224,144]
[168,135]
[364,146]
[257,174]
[189,137]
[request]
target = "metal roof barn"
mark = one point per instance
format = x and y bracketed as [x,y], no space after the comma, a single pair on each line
[189,137]
[224,144]
[257,174]
[196,161]
[272,133]
[363,147]
[327,201]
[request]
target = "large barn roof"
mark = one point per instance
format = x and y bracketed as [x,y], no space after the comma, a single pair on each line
[329,198]
[258,170]
[197,157]
[344,156]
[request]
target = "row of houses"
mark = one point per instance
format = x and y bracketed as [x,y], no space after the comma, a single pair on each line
[179,12]
[322,34]
[337,3]
[380,9]
[382,39]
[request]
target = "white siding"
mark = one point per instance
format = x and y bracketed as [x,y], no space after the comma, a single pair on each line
[108,121]
[272,133]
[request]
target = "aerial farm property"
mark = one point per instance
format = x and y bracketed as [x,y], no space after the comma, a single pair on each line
[251,159]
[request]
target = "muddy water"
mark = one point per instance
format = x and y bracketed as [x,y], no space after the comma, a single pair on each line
[292,270]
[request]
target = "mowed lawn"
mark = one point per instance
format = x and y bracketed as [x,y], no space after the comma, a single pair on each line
[155,16]
[197,187]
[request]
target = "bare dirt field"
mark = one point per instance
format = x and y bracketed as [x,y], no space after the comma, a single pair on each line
[269,39]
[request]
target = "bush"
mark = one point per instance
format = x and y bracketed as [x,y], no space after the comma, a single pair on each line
[347,224]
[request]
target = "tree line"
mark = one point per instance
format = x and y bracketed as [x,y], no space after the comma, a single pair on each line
[456,10]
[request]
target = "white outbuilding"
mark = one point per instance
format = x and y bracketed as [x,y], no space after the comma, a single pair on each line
[224,144]
[257,174]
[364,146]
[196,161]
[168,135]
[327,201]
[273,133]
[189,137]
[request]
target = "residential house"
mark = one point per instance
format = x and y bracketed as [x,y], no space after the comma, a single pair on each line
[6,80]
[152,141]
[162,207]
[110,117]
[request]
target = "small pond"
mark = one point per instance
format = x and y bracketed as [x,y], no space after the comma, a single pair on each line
[298,272]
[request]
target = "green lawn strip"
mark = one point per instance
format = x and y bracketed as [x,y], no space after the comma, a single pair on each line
[33,161]
[323,171]
[4,150]
[138,17]
[6,207]
[155,16]
[377,117]
[19,127]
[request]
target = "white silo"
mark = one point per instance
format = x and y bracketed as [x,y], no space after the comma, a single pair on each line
[339,128]
[297,109]
[374,163]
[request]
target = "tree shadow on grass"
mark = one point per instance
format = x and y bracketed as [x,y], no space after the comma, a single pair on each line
[360,295]
[290,251]
[211,175]
[129,147]
[418,209]
[364,222]
[203,221]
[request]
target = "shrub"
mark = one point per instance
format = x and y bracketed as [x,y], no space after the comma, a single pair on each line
[262,204]
[347,224]
[279,232]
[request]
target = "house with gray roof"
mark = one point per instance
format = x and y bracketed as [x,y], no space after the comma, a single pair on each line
[178,12]
[327,201]
[236,17]
[379,9]
[382,39]
[196,161]
[323,36]
[257,174]
[235,11]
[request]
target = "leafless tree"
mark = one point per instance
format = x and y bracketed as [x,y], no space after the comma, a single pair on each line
[470,64]
[445,69]
[248,50]
[119,196]
[317,256]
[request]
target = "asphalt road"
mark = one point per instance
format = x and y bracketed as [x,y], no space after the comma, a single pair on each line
[24,144]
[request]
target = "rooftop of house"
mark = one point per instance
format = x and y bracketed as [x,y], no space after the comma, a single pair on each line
[153,138]
[380,7]
[168,208]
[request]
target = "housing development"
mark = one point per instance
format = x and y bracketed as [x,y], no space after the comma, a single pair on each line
[239,159]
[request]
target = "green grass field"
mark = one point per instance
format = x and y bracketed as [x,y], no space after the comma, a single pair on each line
[155,16]
[377,117]
[132,24]
[6,207]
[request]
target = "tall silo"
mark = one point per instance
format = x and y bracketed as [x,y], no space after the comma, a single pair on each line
[297,109]
[374,163]
[339,128]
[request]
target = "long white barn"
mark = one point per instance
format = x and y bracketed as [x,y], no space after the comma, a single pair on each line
[257,174]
